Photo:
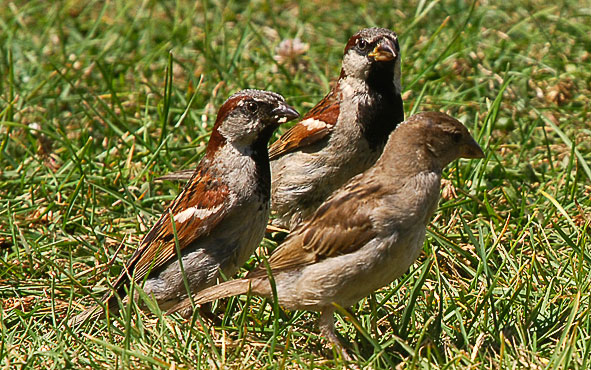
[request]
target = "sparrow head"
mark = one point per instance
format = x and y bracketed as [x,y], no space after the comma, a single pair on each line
[248,118]
[444,138]
[373,54]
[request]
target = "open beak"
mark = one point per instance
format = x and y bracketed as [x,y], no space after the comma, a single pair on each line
[285,113]
[384,52]
[471,149]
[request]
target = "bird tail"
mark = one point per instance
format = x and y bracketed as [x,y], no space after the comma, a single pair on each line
[183,175]
[94,312]
[223,290]
[97,311]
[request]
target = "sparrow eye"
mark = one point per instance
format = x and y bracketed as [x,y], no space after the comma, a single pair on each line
[362,44]
[456,137]
[252,107]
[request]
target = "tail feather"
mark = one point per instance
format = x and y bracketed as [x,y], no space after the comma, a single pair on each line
[94,312]
[223,290]
[183,175]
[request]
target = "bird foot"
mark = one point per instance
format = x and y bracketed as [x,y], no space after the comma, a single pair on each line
[326,325]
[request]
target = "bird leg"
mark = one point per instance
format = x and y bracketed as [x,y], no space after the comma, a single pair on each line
[205,310]
[326,326]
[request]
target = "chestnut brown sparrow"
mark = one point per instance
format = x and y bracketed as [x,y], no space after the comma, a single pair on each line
[221,214]
[344,134]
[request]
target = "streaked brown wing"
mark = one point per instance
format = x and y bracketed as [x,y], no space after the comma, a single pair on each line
[341,225]
[315,125]
[204,203]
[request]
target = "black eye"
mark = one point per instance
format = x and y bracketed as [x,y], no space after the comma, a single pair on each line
[456,137]
[252,107]
[362,44]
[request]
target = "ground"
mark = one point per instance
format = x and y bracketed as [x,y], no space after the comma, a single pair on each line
[98,99]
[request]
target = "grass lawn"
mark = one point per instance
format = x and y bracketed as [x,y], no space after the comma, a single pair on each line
[99,98]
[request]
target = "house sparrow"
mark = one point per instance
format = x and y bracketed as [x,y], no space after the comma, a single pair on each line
[221,214]
[367,233]
[343,135]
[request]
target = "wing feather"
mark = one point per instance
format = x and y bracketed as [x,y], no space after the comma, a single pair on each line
[206,202]
[328,232]
[316,125]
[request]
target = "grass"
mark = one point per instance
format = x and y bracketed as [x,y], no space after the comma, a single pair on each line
[97,99]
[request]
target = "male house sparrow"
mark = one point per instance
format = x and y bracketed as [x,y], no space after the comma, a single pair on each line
[221,214]
[367,233]
[343,135]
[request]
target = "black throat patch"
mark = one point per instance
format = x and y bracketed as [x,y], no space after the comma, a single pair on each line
[383,110]
[260,155]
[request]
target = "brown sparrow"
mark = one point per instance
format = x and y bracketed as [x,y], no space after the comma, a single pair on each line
[367,233]
[343,135]
[221,214]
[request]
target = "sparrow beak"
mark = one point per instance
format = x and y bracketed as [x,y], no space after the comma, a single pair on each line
[384,52]
[471,149]
[284,113]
